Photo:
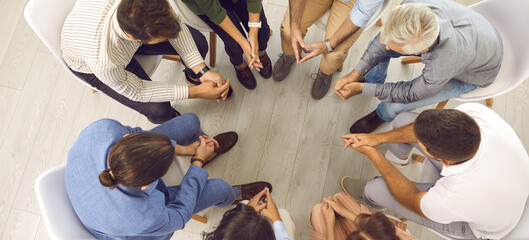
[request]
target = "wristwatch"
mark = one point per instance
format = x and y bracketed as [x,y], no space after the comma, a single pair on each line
[254,24]
[329,47]
[202,72]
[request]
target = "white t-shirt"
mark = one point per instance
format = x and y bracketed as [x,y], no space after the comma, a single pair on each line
[488,191]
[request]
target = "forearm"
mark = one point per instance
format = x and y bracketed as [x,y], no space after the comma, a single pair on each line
[254,17]
[407,91]
[402,189]
[228,27]
[296,8]
[403,134]
[330,231]
[375,52]
[347,29]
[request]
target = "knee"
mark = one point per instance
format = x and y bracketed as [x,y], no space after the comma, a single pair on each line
[316,210]
[159,112]
[403,119]
[285,32]
[225,189]
[374,190]
[200,41]
[192,119]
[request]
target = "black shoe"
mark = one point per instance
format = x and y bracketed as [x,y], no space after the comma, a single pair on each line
[188,72]
[174,113]
[246,77]
[367,124]
[266,71]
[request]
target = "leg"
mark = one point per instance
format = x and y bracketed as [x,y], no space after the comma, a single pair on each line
[313,10]
[156,112]
[318,224]
[216,193]
[453,88]
[330,62]
[377,193]
[241,10]
[212,49]
[379,73]
[184,129]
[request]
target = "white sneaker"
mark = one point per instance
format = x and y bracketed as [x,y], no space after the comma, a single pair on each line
[395,160]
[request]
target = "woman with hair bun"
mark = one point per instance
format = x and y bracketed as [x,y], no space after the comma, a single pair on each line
[113,178]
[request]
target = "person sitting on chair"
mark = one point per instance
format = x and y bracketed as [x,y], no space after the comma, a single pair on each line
[98,42]
[349,16]
[341,217]
[461,50]
[257,220]
[483,164]
[129,199]
[225,18]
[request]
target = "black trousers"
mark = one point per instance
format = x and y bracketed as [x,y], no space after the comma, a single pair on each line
[156,112]
[238,13]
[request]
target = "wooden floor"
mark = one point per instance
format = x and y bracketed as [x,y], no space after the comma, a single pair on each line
[286,137]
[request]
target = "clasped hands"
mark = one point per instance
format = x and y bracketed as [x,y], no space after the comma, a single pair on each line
[298,45]
[204,149]
[213,87]
[263,203]
[330,207]
[362,142]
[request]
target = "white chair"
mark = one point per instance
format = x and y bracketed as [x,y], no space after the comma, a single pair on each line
[46,18]
[57,211]
[506,15]
[322,21]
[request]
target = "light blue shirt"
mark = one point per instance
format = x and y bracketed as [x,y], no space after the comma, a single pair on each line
[280,231]
[124,213]
[363,10]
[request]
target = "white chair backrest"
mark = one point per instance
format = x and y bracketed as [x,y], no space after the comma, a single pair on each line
[189,17]
[322,21]
[57,211]
[508,17]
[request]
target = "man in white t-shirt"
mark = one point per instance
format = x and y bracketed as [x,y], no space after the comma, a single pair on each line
[483,164]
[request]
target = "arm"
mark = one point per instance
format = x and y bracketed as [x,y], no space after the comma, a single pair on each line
[280,231]
[402,189]
[296,8]
[403,134]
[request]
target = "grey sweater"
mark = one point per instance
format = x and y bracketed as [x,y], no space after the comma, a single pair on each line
[469,49]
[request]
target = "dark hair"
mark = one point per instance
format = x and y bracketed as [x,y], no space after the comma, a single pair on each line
[373,226]
[138,159]
[242,222]
[147,19]
[448,134]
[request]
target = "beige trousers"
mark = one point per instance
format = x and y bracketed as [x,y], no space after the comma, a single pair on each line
[313,10]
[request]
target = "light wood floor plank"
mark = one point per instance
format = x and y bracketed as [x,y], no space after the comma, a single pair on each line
[42,233]
[19,56]
[11,12]
[51,139]
[7,108]
[24,126]
[21,225]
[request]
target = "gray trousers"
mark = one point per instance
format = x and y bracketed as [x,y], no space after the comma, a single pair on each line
[377,193]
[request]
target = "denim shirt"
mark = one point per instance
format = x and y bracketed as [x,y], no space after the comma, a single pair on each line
[124,213]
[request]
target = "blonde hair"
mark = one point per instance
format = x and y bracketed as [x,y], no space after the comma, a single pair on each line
[413,27]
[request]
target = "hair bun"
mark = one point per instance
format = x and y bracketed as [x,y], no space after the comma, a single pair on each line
[107,179]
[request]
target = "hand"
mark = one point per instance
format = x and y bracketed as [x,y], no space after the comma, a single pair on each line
[206,149]
[297,43]
[212,76]
[362,139]
[349,90]
[253,59]
[337,206]
[254,202]
[349,78]
[188,150]
[271,211]
[254,44]
[328,214]
[366,150]
[314,50]
[208,90]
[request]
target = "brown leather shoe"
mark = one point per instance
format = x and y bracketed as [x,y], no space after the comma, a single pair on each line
[251,189]
[321,85]
[282,66]
[246,77]
[266,71]
[367,124]
[226,142]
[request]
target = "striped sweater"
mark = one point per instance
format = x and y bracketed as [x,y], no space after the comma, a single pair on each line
[92,42]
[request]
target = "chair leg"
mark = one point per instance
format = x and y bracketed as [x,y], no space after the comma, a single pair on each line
[271,32]
[199,218]
[441,105]
[489,101]
[172,57]
[379,22]
[212,49]
[408,60]
[94,90]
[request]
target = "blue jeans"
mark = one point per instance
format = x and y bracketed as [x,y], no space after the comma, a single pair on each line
[388,111]
[184,130]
